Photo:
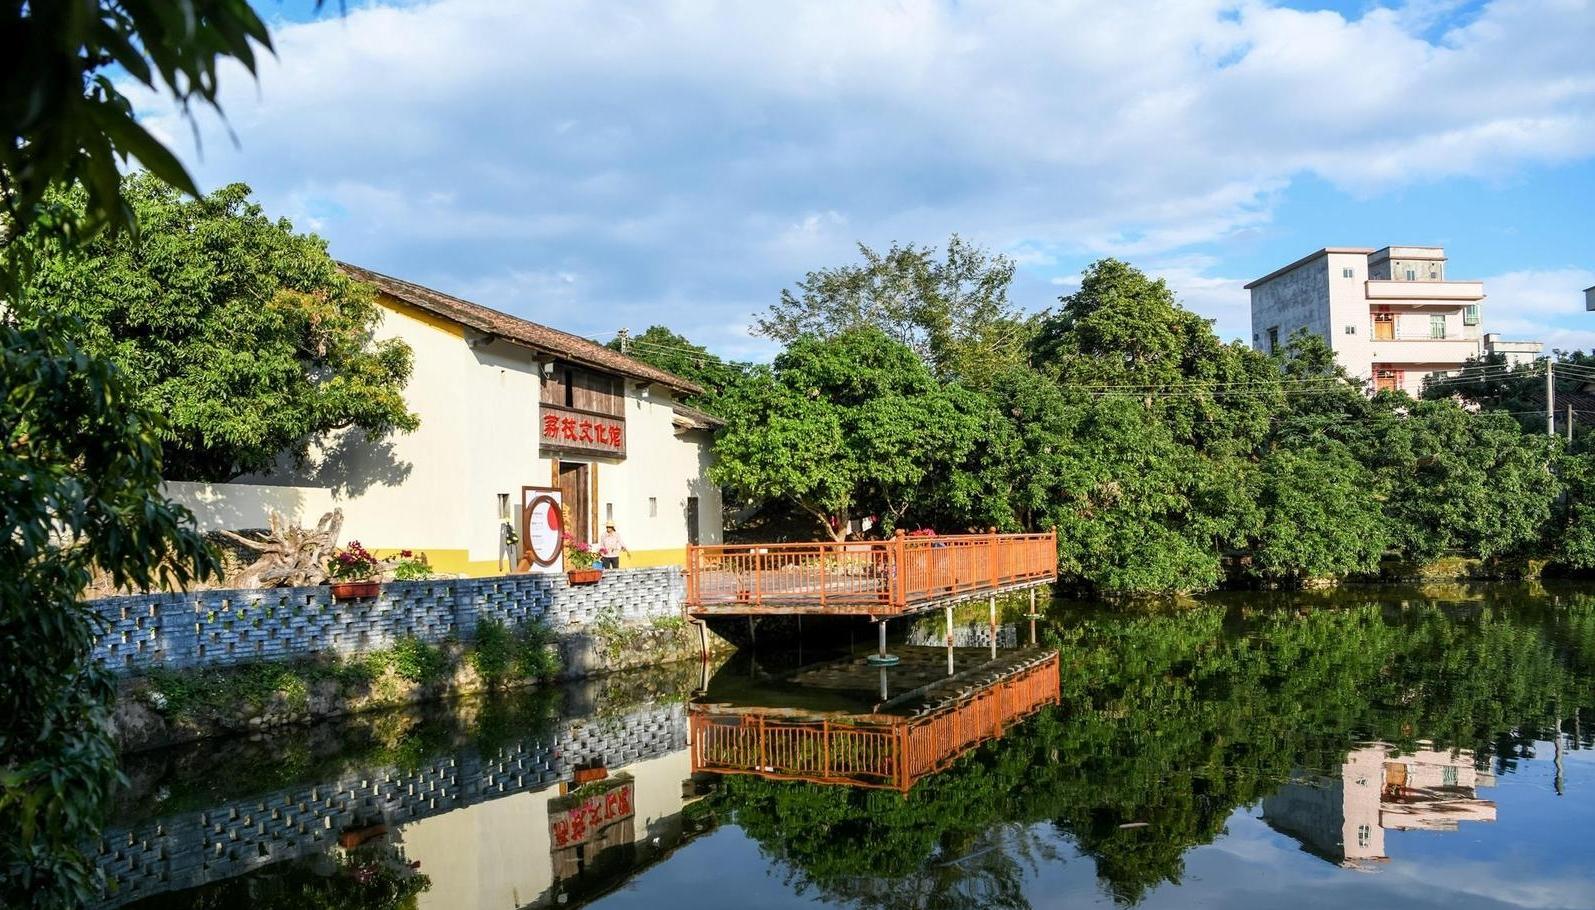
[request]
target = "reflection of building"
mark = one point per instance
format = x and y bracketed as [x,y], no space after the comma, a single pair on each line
[551,846]
[1344,819]
[892,743]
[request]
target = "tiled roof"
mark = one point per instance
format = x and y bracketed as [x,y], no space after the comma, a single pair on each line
[520,331]
[690,418]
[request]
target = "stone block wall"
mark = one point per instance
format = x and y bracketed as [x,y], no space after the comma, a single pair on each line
[189,849]
[228,627]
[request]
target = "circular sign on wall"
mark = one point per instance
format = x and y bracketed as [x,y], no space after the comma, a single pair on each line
[544,523]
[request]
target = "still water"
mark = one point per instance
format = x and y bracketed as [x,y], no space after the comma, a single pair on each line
[1394,748]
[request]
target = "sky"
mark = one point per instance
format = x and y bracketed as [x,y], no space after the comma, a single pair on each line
[602,165]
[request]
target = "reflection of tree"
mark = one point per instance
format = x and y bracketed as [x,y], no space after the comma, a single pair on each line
[1177,720]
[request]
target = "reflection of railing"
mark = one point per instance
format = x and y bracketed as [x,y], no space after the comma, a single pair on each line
[874,577]
[869,751]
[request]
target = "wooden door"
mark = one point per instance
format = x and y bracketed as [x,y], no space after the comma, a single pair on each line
[1384,326]
[692,520]
[576,493]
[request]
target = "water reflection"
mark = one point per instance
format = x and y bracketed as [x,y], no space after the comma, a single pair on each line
[893,741]
[1215,754]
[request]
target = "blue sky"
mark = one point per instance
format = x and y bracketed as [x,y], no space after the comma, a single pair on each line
[600,165]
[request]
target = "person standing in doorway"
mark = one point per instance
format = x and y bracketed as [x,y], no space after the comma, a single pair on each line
[610,546]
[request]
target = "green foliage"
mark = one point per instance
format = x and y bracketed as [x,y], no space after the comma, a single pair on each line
[417,661]
[500,653]
[245,334]
[953,312]
[842,426]
[66,121]
[412,567]
[1320,516]
[675,354]
[80,468]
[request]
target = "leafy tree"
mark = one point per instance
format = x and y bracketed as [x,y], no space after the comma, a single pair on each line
[953,312]
[1321,517]
[244,333]
[674,353]
[81,458]
[80,467]
[839,427]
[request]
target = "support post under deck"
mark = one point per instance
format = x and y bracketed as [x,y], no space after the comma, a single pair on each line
[949,614]
[1032,615]
[993,627]
[881,658]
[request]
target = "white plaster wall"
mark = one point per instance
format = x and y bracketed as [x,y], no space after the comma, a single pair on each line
[664,465]
[231,506]
[1349,307]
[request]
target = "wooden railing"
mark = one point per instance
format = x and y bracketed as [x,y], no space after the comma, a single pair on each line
[873,577]
[880,751]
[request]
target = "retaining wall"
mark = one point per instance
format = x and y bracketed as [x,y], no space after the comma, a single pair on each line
[223,628]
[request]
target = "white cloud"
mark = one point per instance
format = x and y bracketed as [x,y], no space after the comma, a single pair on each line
[687,159]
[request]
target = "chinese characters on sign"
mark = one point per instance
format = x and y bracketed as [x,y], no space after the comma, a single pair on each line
[570,825]
[578,431]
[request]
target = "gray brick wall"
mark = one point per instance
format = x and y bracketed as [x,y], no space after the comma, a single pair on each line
[189,849]
[227,627]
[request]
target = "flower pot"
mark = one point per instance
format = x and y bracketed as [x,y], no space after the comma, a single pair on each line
[584,576]
[352,590]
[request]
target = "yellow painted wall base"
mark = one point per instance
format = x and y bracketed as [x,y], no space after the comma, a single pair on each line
[643,559]
[458,562]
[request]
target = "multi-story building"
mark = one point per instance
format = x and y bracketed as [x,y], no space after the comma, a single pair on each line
[1391,316]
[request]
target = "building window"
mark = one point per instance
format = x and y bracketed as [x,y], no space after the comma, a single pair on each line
[653,507]
[609,511]
[1364,835]
[1273,339]
[1470,314]
[1412,274]
[1437,326]
[1351,329]
[1448,776]
[1348,273]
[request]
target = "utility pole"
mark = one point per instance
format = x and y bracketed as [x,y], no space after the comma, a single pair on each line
[1550,398]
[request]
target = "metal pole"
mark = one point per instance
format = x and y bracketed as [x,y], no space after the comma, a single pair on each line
[1032,616]
[993,627]
[1550,398]
[948,611]
[881,658]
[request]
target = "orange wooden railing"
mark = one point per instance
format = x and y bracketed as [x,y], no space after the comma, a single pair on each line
[874,577]
[879,751]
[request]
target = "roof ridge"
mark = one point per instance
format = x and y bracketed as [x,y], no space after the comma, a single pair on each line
[517,329]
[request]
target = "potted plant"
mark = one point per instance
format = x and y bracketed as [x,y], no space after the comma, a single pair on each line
[581,562]
[353,572]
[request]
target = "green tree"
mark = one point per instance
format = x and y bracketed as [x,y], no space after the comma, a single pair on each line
[1321,517]
[80,467]
[953,312]
[674,353]
[841,427]
[245,334]
[81,458]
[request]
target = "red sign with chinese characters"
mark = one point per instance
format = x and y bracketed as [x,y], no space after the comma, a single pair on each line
[575,820]
[580,431]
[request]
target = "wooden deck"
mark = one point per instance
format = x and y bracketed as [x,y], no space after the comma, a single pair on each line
[877,579]
[885,750]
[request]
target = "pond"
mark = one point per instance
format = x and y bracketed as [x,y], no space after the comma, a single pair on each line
[1420,747]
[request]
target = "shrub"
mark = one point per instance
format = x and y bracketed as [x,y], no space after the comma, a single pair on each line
[500,653]
[415,660]
[412,567]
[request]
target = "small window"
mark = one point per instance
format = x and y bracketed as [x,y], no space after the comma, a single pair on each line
[653,507]
[1470,314]
[1434,273]
[1436,326]
[1412,274]
[1273,340]
[609,511]
[1348,273]
[1351,329]
[570,388]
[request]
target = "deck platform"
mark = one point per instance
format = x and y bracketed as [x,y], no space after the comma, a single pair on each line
[891,745]
[878,579]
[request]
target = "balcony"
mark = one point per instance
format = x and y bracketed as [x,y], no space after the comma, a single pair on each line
[1425,292]
[1406,348]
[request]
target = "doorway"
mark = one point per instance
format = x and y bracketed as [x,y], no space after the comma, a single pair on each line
[576,492]
[1384,327]
[692,520]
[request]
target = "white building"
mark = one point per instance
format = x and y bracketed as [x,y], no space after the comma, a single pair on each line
[1391,316]
[504,404]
